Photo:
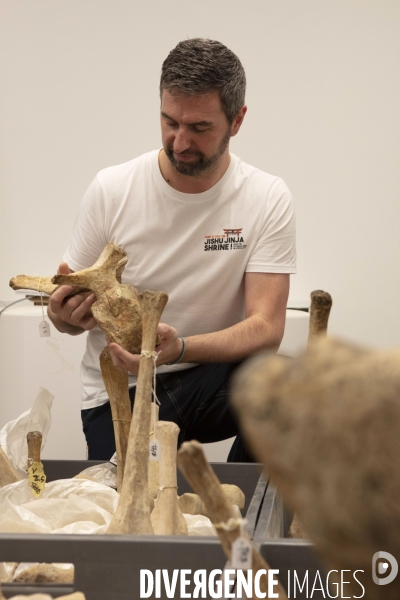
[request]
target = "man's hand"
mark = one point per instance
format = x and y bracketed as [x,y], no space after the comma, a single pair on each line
[72,315]
[169,350]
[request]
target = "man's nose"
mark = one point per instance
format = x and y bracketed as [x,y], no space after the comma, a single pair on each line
[182,141]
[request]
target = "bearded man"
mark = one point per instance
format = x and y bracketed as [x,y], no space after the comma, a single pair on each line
[214,233]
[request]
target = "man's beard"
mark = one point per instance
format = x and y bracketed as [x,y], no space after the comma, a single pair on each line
[203,165]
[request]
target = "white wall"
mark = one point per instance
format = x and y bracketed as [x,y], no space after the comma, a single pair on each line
[79,92]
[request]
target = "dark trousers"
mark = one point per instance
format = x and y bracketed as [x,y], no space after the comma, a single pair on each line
[196,399]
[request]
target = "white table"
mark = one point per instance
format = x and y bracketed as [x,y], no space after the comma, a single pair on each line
[29,362]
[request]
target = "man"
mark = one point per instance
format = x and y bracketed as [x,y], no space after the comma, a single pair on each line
[214,233]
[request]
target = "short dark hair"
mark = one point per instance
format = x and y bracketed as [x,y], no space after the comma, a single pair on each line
[197,66]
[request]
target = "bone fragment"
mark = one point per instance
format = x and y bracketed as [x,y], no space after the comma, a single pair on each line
[8,474]
[27,282]
[326,425]
[199,474]
[116,383]
[191,504]
[167,518]
[234,494]
[321,303]
[133,511]
[153,464]
[34,439]
[45,573]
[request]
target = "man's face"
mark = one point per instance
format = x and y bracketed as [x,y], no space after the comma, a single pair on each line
[195,132]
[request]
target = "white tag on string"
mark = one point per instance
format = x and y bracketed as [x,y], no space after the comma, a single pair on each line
[242,553]
[154,450]
[44,329]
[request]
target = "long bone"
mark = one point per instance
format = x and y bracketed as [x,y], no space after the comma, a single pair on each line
[133,511]
[321,304]
[326,426]
[116,384]
[200,475]
[167,518]
[153,464]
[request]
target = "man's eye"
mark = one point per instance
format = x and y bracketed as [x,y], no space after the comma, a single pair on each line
[199,129]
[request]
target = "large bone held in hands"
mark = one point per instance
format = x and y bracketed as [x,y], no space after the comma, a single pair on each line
[167,518]
[117,308]
[133,512]
[117,312]
[326,425]
[200,475]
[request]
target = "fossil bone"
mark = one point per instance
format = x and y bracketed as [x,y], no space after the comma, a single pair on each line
[167,518]
[200,475]
[326,426]
[133,511]
[46,573]
[153,464]
[192,504]
[34,439]
[321,304]
[117,308]
[116,383]
[8,474]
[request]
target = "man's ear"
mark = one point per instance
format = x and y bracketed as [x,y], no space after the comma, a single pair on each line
[238,120]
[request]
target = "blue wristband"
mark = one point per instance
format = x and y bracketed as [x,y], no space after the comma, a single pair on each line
[178,360]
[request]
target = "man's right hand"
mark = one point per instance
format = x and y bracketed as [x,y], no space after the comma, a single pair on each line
[74,315]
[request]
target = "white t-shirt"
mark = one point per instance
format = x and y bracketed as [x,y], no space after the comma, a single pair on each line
[194,247]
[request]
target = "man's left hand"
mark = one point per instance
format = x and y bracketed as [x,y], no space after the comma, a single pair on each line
[168,350]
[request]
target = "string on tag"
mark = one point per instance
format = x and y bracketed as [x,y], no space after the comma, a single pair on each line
[231,524]
[41,295]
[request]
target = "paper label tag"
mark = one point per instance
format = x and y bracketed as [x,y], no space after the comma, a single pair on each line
[44,329]
[242,555]
[154,450]
[113,460]
[36,478]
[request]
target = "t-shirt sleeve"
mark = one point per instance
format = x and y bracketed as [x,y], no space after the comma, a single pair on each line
[89,233]
[275,250]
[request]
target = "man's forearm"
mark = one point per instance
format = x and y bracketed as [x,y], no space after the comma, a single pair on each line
[62,326]
[234,343]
